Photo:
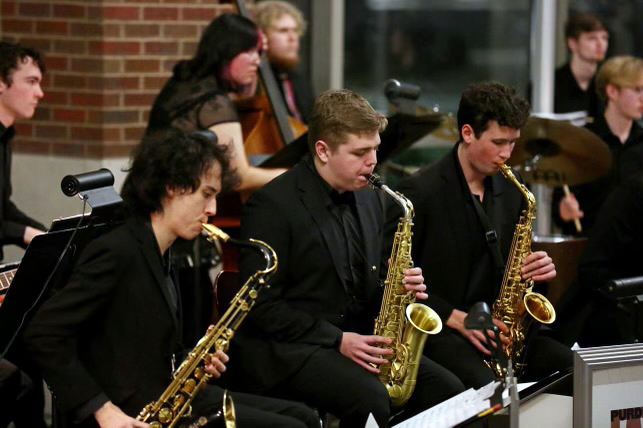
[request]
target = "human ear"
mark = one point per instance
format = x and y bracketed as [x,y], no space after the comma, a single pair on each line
[322,150]
[467,133]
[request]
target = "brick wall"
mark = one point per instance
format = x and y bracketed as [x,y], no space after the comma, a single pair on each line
[106,61]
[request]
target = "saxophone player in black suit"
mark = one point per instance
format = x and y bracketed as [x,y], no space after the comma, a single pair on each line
[310,335]
[107,341]
[463,261]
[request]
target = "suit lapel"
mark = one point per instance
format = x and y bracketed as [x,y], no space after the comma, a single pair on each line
[368,225]
[313,200]
[150,251]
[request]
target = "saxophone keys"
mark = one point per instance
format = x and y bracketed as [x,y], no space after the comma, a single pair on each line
[165,415]
[189,386]
[199,372]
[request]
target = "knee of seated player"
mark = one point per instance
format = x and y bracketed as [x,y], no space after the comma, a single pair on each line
[370,398]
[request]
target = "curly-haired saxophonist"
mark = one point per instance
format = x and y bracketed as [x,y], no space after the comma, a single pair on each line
[106,341]
[462,257]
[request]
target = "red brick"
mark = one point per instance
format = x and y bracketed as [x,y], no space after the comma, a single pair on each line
[95,100]
[57,63]
[17,26]
[142,66]
[180,31]
[34,9]
[111,30]
[31,147]
[69,11]
[189,48]
[142,30]
[110,151]
[52,27]
[43,45]
[140,99]
[70,81]
[86,29]
[168,65]
[135,133]
[117,82]
[70,46]
[155,13]
[114,48]
[54,132]
[68,149]
[121,13]
[8,8]
[199,13]
[42,114]
[161,48]
[154,82]
[95,133]
[24,129]
[113,116]
[55,97]
[64,115]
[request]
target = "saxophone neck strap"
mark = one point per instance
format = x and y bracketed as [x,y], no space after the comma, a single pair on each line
[490,234]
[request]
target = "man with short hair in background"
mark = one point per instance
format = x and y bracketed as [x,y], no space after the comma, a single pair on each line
[284,25]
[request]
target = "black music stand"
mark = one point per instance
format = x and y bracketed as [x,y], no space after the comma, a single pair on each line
[628,293]
[49,258]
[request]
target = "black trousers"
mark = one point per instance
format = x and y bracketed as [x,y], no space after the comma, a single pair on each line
[450,349]
[333,383]
[20,399]
[257,411]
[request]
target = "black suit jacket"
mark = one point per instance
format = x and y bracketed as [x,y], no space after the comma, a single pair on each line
[306,305]
[441,233]
[110,332]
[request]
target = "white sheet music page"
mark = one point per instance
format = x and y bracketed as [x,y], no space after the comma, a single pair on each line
[454,410]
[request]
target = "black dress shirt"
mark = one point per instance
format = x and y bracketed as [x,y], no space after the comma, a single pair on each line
[568,96]
[12,221]
[346,229]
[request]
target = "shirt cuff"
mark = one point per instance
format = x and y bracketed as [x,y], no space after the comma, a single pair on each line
[88,409]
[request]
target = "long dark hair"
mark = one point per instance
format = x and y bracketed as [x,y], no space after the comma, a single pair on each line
[224,38]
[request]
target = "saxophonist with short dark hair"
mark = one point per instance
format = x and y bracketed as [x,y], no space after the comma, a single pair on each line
[109,341]
[466,213]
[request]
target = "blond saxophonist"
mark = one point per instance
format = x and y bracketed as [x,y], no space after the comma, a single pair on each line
[311,332]
[107,341]
[462,259]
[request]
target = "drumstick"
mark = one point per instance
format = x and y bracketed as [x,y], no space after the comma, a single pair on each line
[568,194]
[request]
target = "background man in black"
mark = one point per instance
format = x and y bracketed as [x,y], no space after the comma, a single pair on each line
[21,71]
[449,237]
[106,342]
[620,87]
[310,334]
[587,38]
[284,25]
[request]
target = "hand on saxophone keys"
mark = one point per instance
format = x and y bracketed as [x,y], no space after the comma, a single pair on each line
[110,415]
[215,363]
[364,350]
[538,266]
[414,281]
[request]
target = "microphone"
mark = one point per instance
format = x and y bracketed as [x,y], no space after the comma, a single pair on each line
[394,89]
[479,317]
[71,185]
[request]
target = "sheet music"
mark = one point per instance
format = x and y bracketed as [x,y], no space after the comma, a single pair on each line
[454,410]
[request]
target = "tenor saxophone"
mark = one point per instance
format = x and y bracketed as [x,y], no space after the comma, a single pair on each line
[175,404]
[407,323]
[517,305]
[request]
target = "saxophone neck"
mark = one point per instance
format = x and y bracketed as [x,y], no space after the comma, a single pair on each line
[529,197]
[400,199]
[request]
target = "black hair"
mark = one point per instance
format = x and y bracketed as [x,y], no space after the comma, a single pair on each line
[12,55]
[224,38]
[172,159]
[486,101]
[583,23]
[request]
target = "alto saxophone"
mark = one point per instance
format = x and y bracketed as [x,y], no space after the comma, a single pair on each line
[175,404]
[517,305]
[407,323]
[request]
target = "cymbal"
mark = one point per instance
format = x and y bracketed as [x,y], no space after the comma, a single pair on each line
[555,152]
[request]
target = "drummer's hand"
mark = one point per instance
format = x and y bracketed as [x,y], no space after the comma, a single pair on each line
[538,266]
[569,208]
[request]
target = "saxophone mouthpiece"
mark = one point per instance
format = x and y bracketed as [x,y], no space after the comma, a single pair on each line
[213,232]
[375,181]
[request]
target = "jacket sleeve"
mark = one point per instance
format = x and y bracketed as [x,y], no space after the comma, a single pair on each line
[55,335]
[14,223]
[273,317]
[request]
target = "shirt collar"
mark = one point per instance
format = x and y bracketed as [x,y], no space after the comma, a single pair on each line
[333,197]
